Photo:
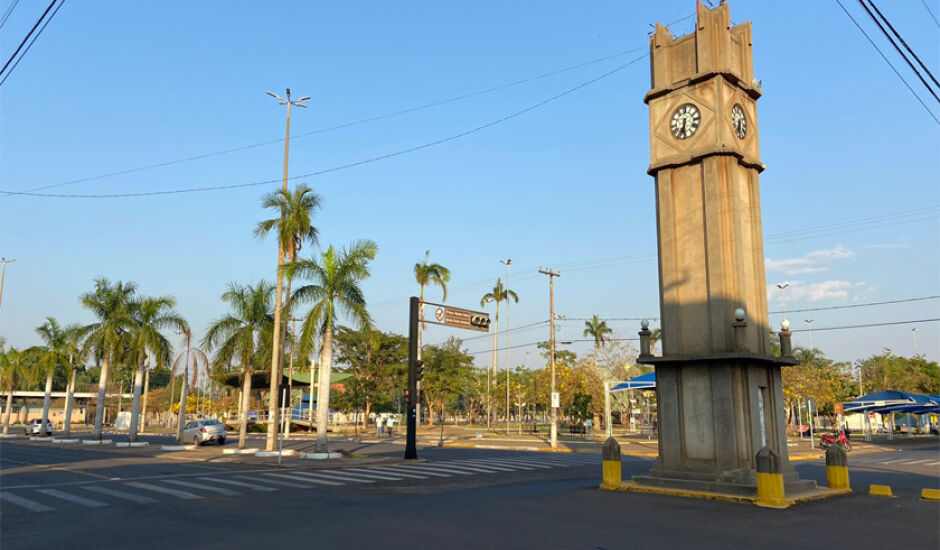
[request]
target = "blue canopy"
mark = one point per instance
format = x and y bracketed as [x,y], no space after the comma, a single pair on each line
[891,401]
[643,382]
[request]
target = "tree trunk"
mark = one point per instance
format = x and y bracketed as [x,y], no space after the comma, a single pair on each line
[243,417]
[181,414]
[271,440]
[135,405]
[68,402]
[143,412]
[8,410]
[100,404]
[46,402]
[323,392]
[169,411]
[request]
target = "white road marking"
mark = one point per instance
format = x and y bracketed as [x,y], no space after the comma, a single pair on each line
[934,463]
[120,494]
[251,486]
[416,469]
[339,477]
[165,490]
[203,486]
[503,463]
[435,468]
[276,482]
[375,475]
[72,498]
[893,461]
[529,463]
[402,474]
[305,479]
[30,505]
[477,467]
[917,461]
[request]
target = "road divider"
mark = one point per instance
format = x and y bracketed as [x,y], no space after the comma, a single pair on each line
[270,454]
[320,456]
[880,491]
[57,440]
[132,444]
[930,494]
[97,441]
[239,451]
[178,447]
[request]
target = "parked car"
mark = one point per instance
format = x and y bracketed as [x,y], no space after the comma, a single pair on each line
[35,427]
[201,431]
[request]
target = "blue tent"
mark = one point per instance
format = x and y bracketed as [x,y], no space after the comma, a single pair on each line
[891,401]
[643,382]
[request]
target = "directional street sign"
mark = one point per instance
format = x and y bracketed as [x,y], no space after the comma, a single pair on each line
[460,318]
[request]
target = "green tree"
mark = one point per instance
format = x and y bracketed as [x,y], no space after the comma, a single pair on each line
[887,371]
[105,339]
[598,330]
[13,369]
[150,316]
[378,362]
[243,337]
[497,295]
[335,288]
[293,226]
[52,357]
[447,369]
[428,274]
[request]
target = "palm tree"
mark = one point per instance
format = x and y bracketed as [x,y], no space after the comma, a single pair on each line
[498,294]
[51,357]
[428,274]
[244,335]
[655,336]
[150,316]
[13,368]
[335,288]
[110,303]
[292,227]
[598,330]
[75,354]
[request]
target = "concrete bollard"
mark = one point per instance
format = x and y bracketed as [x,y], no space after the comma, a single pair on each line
[610,454]
[770,493]
[837,468]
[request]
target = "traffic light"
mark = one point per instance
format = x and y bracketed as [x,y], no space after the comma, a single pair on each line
[419,370]
[481,320]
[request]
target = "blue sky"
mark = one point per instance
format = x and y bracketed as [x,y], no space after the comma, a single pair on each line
[851,194]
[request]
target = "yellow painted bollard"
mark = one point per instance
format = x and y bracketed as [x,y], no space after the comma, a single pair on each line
[770,493]
[837,468]
[610,453]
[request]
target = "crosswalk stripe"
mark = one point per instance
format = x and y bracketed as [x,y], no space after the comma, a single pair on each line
[185,495]
[500,464]
[438,468]
[934,463]
[30,505]
[335,477]
[402,474]
[119,494]
[530,463]
[203,486]
[251,486]
[72,498]
[469,466]
[414,469]
[374,475]
[917,461]
[305,479]
[276,482]
[892,461]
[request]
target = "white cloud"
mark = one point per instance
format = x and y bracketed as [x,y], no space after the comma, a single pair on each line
[814,262]
[798,291]
[891,245]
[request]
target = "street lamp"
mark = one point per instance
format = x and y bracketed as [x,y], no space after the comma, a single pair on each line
[3,273]
[181,417]
[507,262]
[809,323]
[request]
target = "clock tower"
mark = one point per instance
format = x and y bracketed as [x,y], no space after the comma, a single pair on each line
[719,389]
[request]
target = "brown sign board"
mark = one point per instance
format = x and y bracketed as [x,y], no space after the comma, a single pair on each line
[459,318]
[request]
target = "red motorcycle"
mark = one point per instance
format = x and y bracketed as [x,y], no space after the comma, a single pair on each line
[839,439]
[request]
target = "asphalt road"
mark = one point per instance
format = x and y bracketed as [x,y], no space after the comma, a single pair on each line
[73,497]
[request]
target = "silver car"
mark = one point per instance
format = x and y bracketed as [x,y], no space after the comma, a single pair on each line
[200,431]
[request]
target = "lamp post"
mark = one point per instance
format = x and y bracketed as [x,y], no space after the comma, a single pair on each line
[181,417]
[507,263]
[809,323]
[3,273]
[783,297]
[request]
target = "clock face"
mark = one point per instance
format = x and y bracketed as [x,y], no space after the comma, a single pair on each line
[685,121]
[739,121]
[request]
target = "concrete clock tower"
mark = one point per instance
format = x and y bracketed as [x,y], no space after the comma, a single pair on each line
[719,387]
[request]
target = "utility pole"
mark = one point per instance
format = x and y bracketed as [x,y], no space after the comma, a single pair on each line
[553,397]
[3,273]
[181,417]
[914,337]
[783,298]
[507,262]
[276,340]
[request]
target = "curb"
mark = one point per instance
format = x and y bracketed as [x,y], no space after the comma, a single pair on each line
[880,491]
[97,442]
[807,457]
[34,438]
[508,448]
[177,447]
[320,456]
[238,451]
[930,494]
[271,454]
[132,444]
[54,440]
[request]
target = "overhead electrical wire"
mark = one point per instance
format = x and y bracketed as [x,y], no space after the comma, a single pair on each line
[932,16]
[33,41]
[28,35]
[338,126]
[6,14]
[904,43]
[883,56]
[898,49]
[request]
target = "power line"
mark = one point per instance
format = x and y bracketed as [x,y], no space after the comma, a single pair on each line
[344,166]
[33,41]
[897,48]
[901,40]
[338,126]
[932,16]
[6,14]
[852,306]
[872,42]
[26,38]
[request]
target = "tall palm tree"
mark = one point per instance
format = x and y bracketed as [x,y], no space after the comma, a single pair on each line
[497,295]
[598,330]
[110,303]
[51,357]
[243,336]
[335,288]
[150,316]
[75,354]
[12,369]
[292,227]
[428,274]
